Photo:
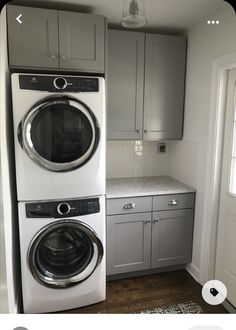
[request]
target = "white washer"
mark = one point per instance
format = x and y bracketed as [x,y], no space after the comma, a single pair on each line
[59,134]
[62,254]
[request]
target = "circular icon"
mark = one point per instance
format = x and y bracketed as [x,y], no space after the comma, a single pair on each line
[214,292]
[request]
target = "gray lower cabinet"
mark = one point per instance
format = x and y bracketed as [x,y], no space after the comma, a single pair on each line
[139,240]
[146,79]
[171,238]
[128,242]
[52,39]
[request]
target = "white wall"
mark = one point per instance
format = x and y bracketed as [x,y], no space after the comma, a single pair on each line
[10,280]
[123,161]
[189,156]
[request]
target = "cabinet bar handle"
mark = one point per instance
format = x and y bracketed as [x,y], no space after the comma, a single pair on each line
[129,206]
[173,202]
[147,221]
[139,131]
[155,220]
[146,131]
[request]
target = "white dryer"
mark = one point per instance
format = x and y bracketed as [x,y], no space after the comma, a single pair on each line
[59,134]
[62,254]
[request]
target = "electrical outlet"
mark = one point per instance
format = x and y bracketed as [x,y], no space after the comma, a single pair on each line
[161,148]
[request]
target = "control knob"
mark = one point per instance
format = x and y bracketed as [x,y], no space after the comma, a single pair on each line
[63,208]
[60,83]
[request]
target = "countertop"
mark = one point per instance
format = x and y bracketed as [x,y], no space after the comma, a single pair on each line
[145,186]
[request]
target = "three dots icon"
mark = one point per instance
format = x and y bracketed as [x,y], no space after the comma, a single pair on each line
[213,22]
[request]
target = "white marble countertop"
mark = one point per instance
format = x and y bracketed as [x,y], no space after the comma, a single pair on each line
[145,186]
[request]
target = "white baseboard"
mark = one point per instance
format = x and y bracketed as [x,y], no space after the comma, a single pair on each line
[193,271]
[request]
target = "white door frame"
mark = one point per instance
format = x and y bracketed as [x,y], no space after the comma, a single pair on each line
[221,65]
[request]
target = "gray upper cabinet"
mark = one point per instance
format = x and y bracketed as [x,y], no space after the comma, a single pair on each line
[34,43]
[52,39]
[145,100]
[82,42]
[125,68]
[171,238]
[164,87]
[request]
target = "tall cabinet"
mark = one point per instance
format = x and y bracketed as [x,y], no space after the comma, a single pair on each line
[146,79]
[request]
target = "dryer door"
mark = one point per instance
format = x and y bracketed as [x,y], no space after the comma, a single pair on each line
[64,253]
[59,133]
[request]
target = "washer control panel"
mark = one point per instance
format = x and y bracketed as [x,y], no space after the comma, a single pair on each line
[62,209]
[56,84]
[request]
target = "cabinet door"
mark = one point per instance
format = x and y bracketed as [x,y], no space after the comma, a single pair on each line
[164,87]
[82,41]
[128,242]
[171,238]
[125,74]
[34,43]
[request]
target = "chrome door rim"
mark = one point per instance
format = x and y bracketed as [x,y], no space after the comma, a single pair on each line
[24,135]
[70,281]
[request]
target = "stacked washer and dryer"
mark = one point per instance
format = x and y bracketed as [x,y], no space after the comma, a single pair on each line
[59,134]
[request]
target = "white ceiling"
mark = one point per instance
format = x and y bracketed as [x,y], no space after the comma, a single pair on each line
[162,15]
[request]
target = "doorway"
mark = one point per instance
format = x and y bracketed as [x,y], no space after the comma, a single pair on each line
[220,70]
[226,241]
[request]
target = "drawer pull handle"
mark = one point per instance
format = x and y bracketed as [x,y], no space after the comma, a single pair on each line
[129,206]
[54,57]
[173,202]
[155,220]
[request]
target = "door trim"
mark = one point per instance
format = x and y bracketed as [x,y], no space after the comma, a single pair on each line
[220,68]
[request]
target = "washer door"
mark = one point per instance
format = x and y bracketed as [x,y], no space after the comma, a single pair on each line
[59,133]
[64,253]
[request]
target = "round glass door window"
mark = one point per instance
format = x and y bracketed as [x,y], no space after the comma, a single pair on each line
[64,253]
[59,134]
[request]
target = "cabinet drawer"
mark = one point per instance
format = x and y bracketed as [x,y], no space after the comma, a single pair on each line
[173,202]
[129,205]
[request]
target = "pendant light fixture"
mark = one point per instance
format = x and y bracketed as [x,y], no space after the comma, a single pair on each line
[133,14]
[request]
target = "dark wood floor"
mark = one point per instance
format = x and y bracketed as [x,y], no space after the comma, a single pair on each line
[148,292]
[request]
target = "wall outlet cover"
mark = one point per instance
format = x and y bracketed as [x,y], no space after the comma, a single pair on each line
[161,148]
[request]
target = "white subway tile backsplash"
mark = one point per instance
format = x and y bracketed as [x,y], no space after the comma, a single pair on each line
[135,158]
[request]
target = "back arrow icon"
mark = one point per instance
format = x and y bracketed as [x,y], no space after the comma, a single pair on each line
[18,19]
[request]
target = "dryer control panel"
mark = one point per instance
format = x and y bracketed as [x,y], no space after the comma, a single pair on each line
[62,209]
[54,84]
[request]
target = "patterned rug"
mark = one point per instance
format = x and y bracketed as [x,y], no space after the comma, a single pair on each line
[188,307]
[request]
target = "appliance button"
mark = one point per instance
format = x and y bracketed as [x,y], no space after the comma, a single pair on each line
[63,208]
[60,83]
